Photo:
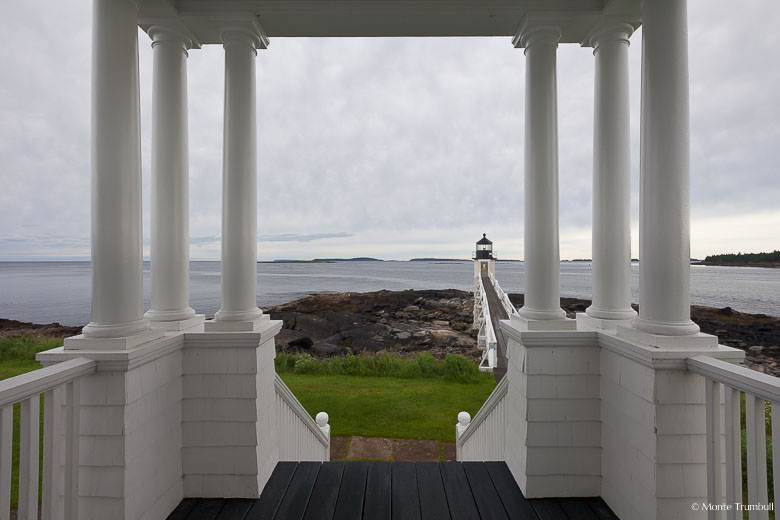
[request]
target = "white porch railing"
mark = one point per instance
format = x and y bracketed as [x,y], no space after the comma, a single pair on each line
[483,437]
[486,339]
[300,437]
[758,389]
[505,301]
[59,385]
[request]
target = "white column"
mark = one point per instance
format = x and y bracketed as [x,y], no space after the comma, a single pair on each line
[664,221]
[611,176]
[542,256]
[117,269]
[239,182]
[170,259]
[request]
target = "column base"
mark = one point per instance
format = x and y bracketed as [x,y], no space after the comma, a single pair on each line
[180,325]
[682,328]
[699,340]
[217,325]
[524,324]
[83,342]
[587,322]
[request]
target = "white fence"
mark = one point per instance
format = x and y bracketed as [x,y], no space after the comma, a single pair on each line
[483,437]
[486,339]
[758,389]
[300,437]
[505,301]
[59,385]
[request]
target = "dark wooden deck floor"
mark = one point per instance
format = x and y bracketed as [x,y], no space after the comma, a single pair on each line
[497,312]
[390,491]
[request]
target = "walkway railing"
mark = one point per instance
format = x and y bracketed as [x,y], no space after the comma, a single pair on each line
[59,385]
[300,438]
[759,389]
[483,437]
[505,301]
[486,339]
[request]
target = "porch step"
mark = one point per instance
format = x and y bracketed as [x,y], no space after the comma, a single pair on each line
[392,491]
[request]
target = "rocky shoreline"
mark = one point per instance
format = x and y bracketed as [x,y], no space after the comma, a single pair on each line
[439,322]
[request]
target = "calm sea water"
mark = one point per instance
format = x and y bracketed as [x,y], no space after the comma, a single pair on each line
[44,292]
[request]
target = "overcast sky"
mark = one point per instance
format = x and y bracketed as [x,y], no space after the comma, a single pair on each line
[393,148]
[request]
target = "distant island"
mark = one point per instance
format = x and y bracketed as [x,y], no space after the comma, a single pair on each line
[324,260]
[744,259]
[438,260]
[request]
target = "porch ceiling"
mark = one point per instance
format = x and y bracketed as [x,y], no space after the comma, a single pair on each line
[203,19]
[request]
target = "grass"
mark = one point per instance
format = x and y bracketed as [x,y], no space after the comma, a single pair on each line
[374,406]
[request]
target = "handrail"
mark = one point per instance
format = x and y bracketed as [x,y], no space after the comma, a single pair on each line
[60,386]
[755,383]
[484,412]
[33,383]
[758,388]
[504,297]
[490,333]
[289,399]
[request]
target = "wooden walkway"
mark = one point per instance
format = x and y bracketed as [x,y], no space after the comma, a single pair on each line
[497,312]
[392,491]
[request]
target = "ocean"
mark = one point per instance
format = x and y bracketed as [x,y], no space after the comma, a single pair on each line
[44,292]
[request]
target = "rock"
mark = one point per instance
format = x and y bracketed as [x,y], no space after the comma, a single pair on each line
[756,349]
[725,310]
[411,308]
[440,323]
[301,343]
[403,335]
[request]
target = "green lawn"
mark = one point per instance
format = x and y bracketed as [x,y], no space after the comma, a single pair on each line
[389,407]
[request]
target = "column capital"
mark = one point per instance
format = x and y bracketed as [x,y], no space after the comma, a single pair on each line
[166,33]
[249,33]
[610,30]
[533,31]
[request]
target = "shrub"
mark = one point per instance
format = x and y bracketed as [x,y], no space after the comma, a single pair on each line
[429,367]
[306,364]
[384,364]
[458,368]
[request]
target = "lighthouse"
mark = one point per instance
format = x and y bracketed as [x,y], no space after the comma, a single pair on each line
[483,259]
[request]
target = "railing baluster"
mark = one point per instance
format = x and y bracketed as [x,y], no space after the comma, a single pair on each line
[733,451]
[52,446]
[775,454]
[73,409]
[756,454]
[6,444]
[712,392]
[29,439]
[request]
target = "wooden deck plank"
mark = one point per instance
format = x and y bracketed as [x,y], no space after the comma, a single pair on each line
[433,498]
[184,508]
[577,509]
[602,510]
[485,494]
[549,509]
[206,509]
[459,495]
[515,504]
[296,498]
[265,507]
[497,312]
[405,495]
[322,503]
[378,502]
[235,509]
[349,505]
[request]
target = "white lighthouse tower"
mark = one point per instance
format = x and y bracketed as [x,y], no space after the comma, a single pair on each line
[483,260]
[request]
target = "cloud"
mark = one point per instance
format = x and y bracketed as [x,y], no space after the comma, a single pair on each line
[415,146]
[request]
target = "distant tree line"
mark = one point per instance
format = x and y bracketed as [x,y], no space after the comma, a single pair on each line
[746,258]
